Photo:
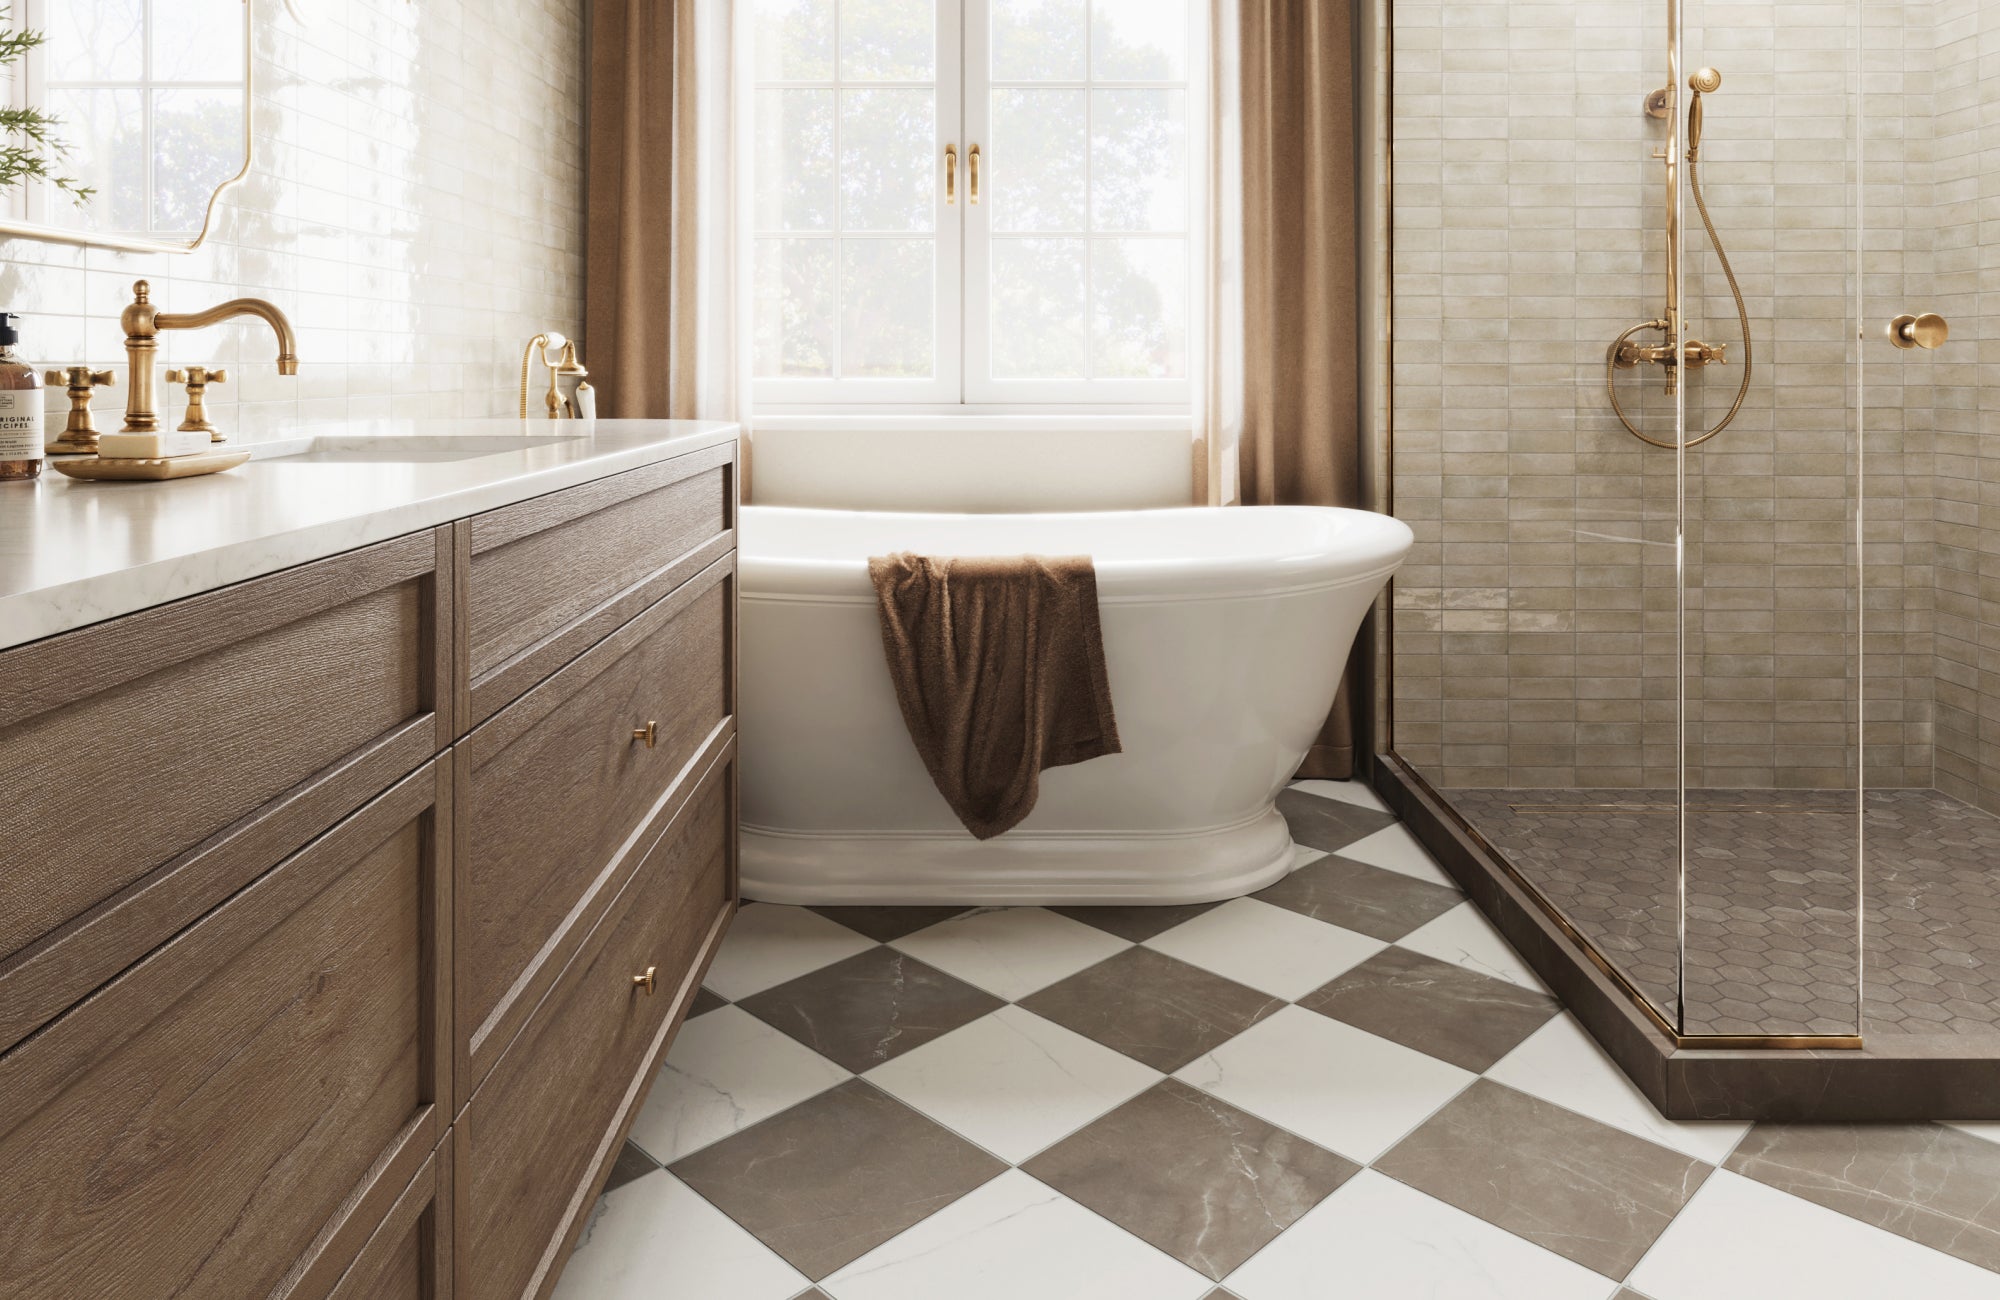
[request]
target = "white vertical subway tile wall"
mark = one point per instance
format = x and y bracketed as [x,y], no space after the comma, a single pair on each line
[416,209]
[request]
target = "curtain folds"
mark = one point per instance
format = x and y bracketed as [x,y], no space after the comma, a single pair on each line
[665,336]
[1300,439]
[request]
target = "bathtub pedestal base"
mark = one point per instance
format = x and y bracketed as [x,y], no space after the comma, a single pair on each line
[1020,867]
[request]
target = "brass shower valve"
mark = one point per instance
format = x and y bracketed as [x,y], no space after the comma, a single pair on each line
[1694,353]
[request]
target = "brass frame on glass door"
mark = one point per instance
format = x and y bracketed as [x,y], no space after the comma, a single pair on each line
[1584,945]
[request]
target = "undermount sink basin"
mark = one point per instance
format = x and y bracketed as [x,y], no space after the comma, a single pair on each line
[364,449]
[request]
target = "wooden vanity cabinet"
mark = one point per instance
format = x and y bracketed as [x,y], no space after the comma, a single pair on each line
[317,955]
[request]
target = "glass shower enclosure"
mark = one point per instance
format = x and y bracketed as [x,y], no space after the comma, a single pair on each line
[1701,635]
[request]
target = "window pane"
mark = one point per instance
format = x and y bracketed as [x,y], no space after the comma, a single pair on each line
[887,287]
[1138,290]
[107,132]
[794,40]
[97,42]
[1038,308]
[1035,176]
[1039,40]
[197,145]
[1138,160]
[794,309]
[1139,40]
[888,40]
[794,159]
[196,40]
[888,159]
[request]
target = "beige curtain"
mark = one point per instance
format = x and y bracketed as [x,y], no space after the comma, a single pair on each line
[1300,438]
[642,227]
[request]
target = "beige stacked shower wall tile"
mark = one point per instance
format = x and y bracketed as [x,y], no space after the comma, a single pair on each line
[1536,623]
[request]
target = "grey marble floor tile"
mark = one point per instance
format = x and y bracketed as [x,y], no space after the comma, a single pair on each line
[1355,896]
[1329,823]
[1454,1014]
[1220,1294]
[836,1176]
[1205,1182]
[631,1163]
[1136,923]
[814,1294]
[1627,1293]
[872,1007]
[1937,1186]
[705,1001]
[1591,1193]
[884,924]
[1152,1008]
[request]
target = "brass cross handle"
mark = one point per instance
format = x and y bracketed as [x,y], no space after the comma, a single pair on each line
[79,435]
[197,379]
[1926,331]
[650,734]
[646,981]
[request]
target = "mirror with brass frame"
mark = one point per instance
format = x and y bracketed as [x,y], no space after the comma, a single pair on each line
[147,105]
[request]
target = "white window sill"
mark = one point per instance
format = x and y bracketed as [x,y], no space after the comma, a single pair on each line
[961,420]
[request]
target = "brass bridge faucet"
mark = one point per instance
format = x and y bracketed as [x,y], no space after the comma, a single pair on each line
[143,323]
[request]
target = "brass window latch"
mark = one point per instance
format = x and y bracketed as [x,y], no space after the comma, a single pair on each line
[197,379]
[79,435]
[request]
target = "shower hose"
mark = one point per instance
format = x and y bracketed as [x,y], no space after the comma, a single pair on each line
[1742,317]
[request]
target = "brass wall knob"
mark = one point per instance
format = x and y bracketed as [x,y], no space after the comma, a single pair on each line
[650,734]
[1926,331]
[646,980]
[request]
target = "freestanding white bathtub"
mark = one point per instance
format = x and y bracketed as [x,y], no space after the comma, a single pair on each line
[1225,632]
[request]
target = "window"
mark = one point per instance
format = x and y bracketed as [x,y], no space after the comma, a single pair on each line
[152,102]
[985,203]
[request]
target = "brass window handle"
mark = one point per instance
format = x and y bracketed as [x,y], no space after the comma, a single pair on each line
[646,981]
[1927,331]
[950,174]
[972,174]
[650,734]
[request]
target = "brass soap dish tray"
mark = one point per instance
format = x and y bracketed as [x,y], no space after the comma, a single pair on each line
[149,470]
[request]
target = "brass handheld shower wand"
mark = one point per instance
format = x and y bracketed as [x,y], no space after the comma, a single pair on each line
[1625,354]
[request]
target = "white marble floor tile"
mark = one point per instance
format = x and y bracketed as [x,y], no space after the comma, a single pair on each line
[1464,937]
[1354,792]
[1346,1089]
[1981,1129]
[1013,1082]
[769,944]
[1560,1062]
[1012,951]
[1013,1239]
[1394,849]
[1740,1240]
[656,1238]
[1376,1239]
[726,1071]
[1273,949]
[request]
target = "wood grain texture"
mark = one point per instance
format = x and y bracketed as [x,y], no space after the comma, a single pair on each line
[538,1138]
[405,1258]
[553,795]
[234,1115]
[313,689]
[546,578]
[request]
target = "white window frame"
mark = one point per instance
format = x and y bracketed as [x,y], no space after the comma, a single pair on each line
[962,385]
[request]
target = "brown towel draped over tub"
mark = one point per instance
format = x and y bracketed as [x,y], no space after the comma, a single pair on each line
[999,666]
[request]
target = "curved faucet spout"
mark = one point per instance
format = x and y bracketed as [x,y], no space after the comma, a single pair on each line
[288,348]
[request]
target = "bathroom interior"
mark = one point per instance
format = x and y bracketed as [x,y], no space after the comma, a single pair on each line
[1109,649]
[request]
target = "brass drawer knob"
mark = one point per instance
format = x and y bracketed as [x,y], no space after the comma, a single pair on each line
[650,733]
[646,981]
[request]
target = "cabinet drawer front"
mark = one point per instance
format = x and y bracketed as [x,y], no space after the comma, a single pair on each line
[554,793]
[539,1137]
[409,1255]
[548,578]
[232,1116]
[159,761]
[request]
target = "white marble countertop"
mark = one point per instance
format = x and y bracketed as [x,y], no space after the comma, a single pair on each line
[74,552]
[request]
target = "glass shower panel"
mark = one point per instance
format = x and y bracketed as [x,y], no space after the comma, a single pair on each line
[1773,580]
[1536,621]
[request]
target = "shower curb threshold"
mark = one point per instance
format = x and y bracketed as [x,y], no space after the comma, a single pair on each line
[1892,1077]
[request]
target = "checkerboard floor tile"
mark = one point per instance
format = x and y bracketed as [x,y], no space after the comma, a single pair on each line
[874,1103]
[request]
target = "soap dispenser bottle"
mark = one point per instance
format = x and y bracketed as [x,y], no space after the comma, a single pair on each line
[20,409]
